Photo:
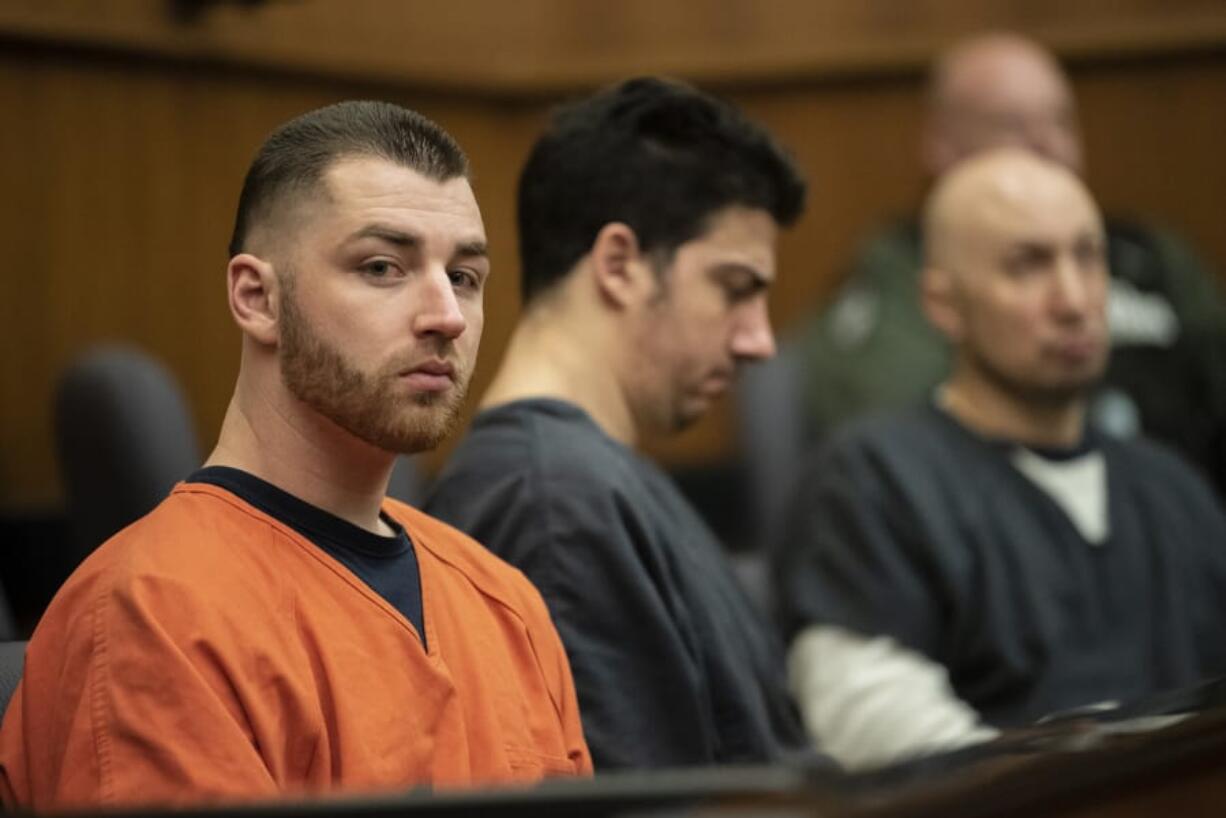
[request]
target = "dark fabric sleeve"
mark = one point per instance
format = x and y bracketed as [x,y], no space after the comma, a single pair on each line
[592,554]
[852,552]
[638,673]
[1181,515]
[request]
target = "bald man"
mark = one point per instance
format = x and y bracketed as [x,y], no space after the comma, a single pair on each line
[874,349]
[988,558]
[999,90]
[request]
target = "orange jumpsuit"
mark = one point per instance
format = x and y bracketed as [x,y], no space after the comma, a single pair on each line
[209,652]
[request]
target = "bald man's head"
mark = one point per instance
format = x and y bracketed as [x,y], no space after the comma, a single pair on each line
[999,90]
[1015,273]
[1007,190]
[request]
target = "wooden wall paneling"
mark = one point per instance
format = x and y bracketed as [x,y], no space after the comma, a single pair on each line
[542,46]
[122,174]
[122,183]
[24,285]
[1154,134]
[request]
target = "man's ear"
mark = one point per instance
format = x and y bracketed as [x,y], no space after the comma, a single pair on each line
[939,299]
[254,296]
[622,274]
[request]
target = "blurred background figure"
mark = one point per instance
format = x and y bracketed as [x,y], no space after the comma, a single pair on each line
[873,349]
[985,558]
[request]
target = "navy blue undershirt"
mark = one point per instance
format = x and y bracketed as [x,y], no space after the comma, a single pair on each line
[387,564]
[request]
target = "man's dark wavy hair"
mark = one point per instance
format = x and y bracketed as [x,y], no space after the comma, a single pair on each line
[657,155]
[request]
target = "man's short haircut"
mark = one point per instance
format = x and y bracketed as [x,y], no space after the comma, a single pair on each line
[296,156]
[656,155]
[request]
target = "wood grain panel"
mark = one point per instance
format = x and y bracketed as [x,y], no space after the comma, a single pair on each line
[545,46]
[120,176]
[121,182]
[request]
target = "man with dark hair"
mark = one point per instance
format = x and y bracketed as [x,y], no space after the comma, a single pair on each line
[648,219]
[632,155]
[987,558]
[276,625]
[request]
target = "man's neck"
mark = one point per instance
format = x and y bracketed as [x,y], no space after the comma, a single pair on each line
[557,356]
[280,440]
[991,412]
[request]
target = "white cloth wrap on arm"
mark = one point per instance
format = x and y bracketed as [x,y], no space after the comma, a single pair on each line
[869,701]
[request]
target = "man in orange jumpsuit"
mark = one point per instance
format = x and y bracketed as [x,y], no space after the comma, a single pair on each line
[277,626]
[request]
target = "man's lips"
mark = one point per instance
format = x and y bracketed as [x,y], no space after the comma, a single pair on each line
[1076,349]
[430,376]
[717,383]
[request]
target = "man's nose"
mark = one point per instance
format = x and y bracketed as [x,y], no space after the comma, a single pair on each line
[437,308]
[752,337]
[1071,294]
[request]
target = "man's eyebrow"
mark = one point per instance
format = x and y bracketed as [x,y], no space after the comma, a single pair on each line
[389,234]
[400,238]
[1032,246]
[468,249]
[760,279]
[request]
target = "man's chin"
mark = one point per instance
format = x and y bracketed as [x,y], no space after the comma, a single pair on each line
[424,437]
[1049,388]
[689,414]
[408,445]
[418,429]
[1062,393]
[1078,385]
